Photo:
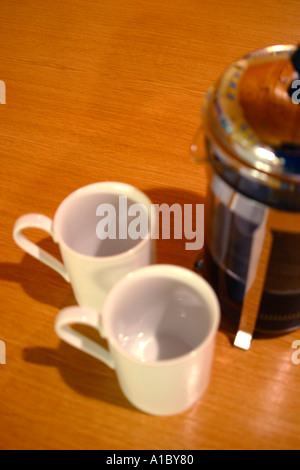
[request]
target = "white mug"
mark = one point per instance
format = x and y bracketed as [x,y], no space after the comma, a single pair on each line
[90,263]
[160,323]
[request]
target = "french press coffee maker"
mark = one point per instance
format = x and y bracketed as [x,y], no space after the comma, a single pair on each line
[251,137]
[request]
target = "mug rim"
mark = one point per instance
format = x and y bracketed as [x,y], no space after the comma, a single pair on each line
[167,271]
[108,187]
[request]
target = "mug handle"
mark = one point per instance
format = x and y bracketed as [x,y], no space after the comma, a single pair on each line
[84,316]
[44,223]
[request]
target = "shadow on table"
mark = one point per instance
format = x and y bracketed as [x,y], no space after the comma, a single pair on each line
[174,251]
[81,372]
[39,281]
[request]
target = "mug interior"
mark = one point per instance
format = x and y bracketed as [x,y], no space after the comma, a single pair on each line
[89,231]
[157,319]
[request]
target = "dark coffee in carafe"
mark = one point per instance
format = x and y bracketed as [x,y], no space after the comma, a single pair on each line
[252,229]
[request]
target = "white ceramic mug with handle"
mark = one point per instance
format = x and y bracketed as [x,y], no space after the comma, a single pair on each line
[160,323]
[96,251]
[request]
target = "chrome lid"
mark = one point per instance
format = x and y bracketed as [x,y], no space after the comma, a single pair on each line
[253,112]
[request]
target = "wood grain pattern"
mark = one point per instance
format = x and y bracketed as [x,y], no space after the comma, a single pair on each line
[100,90]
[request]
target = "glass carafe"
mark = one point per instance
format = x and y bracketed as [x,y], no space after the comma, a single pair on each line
[251,141]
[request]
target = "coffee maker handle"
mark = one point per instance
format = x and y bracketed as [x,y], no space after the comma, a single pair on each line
[275,220]
[260,255]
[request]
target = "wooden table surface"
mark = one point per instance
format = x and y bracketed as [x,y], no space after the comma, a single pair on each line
[108,90]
